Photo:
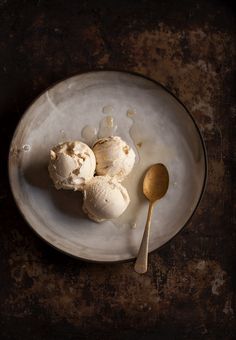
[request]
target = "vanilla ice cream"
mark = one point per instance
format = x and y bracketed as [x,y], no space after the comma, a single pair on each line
[114,157]
[104,198]
[71,165]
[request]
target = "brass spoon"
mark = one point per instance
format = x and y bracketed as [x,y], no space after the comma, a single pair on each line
[155,185]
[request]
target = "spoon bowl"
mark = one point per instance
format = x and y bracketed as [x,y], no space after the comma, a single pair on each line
[156,182]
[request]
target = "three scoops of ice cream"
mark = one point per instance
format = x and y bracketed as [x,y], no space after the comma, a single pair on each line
[73,165]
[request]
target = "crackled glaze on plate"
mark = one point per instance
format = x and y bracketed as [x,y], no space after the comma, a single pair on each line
[162,127]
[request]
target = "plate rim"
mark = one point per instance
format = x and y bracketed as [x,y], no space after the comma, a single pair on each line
[204,185]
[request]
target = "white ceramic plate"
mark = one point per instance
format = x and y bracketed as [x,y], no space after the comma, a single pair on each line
[167,134]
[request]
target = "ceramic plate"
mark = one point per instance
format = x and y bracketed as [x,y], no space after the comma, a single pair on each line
[149,118]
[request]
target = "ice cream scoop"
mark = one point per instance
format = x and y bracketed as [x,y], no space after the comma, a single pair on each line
[115,158]
[71,165]
[104,199]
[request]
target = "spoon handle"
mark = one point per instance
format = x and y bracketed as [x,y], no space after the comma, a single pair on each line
[142,258]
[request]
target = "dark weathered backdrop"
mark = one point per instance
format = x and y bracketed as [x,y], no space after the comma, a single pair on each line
[189,291]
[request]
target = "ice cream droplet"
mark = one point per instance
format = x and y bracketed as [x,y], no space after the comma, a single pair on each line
[108,109]
[107,127]
[89,134]
[131,112]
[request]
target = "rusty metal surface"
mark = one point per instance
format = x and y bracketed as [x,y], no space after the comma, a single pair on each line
[189,291]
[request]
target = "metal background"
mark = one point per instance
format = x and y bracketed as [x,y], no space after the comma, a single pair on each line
[189,291]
